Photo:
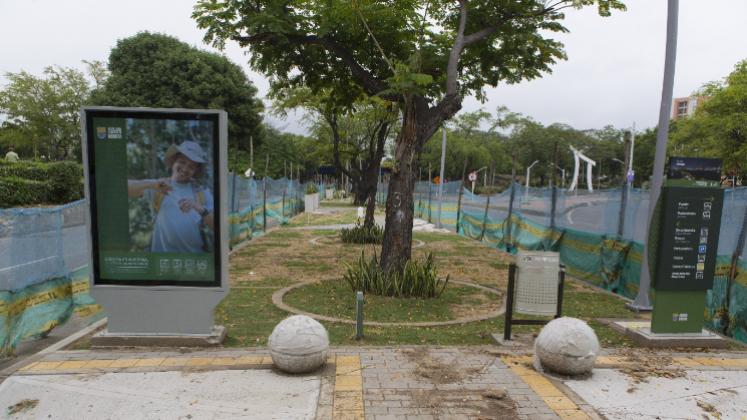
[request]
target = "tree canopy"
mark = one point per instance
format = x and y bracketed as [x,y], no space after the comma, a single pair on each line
[43,113]
[719,126]
[156,70]
[426,55]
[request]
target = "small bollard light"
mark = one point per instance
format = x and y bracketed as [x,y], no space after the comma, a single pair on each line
[359,315]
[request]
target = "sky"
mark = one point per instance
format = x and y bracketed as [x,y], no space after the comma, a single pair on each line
[613,75]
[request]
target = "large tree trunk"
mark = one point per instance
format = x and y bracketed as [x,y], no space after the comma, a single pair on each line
[419,123]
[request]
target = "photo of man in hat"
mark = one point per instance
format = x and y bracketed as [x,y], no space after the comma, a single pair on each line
[180,206]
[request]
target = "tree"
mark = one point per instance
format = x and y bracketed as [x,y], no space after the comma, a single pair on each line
[393,50]
[352,137]
[159,71]
[719,126]
[44,112]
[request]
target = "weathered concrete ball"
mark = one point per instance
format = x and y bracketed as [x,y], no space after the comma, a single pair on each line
[567,346]
[299,344]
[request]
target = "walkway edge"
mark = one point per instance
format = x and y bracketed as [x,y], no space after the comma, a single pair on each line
[53,348]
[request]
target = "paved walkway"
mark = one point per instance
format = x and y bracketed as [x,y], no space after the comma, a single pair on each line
[374,383]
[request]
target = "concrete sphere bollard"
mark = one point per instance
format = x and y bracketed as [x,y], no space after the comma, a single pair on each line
[299,344]
[567,346]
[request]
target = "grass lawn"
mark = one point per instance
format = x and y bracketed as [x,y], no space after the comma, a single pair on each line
[337,218]
[336,299]
[283,257]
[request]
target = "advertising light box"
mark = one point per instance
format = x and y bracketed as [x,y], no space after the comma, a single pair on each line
[154,194]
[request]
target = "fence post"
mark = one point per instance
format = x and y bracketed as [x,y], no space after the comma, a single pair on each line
[264,199]
[461,187]
[235,177]
[508,218]
[624,198]
[420,187]
[554,187]
[298,188]
[429,192]
[487,202]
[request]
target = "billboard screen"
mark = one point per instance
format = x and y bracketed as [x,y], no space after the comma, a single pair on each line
[154,194]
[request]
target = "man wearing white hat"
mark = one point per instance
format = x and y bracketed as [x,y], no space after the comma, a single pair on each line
[179,205]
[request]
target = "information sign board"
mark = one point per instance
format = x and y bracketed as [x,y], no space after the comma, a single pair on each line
[694,172]
[631,175]
[537,288]
[691,222]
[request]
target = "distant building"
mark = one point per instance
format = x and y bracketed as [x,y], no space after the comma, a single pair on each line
[685,107]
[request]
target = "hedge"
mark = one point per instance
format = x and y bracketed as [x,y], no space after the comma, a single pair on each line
[26,183]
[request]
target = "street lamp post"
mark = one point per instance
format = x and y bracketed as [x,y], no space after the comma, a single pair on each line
[473,184]
[526,195]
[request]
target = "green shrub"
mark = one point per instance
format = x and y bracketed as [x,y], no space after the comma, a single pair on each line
[362,235]
[61,183]
[18,192]
[311,188]
[419,279]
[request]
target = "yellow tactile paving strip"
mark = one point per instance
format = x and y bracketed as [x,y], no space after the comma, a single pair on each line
[552,396]
[567,409]
[677,361]
[348,396]
[149,362]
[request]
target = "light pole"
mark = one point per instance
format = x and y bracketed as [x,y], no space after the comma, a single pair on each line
[696,152]
[563,172]
[528,169]
[642,301]
[473,184]
[526,195]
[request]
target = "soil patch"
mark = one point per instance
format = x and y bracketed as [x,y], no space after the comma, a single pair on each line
[442,401]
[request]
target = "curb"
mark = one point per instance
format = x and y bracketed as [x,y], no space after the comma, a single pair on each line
[277,299]
[53,348]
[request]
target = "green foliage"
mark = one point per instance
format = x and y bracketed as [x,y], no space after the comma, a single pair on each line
[362,235]
[44,112]
[719,126]
[156,70]
[311,188]
[418,280]
[26,184]
[317,43]
[283,148]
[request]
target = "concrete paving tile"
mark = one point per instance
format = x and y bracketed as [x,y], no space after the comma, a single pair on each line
[28,367]
[224,361]
[72,364]
[175,361]
[46,365]
[123,363]
[97,364]
[572,415]
[200,361]
[559,403]
[348,403]
[348,415]
[249,360]
[149,362]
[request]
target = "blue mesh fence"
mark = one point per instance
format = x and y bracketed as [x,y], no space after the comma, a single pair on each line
[44,255]
[600,236]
